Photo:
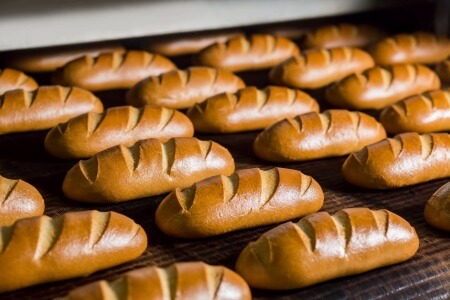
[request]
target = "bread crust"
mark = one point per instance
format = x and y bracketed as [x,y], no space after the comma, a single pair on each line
[437,209]
[11,79]
[443,70]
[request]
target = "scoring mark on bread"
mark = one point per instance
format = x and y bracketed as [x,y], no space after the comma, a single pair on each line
[89,169]
[396,145]
[171,277]
[132,156]
[343,226]
[262,97]
[186,197]
[118,289]
[165,118]
[307,234]
[94,121]
[427,143]
[168,155]
[205,148]
[296,123]
[306,182]
[7,187]
[99,224]
[214,277]
[325,120]
[382,220]
[165,285]
[230,186]
[427,99]
[49,233]
[270,180]
[6,233]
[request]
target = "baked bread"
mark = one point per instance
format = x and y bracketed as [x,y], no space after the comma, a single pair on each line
[183,88]
[415,48]
[50,59]
[44,108]
[406,159]
[292,32]
[190,43]
[437,209]
[379,87]
[428,112]
[39,249]
[109,71]
[247,198]
[443,70]
[342,35]
[18,200]
[12,80]
[257,52]
[91,133]
[249,109]
[317,135]
[317,68]
[187,280]
[321,247]
[144,169]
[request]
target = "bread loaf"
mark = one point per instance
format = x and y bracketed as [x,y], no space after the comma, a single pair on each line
[18,200]
[416,48]
[428,112]
[245,199]
[437,209]
[249,109]
[50,59]
[317,68]
[183,88]
[109,71]
[12,80]
[39,249]
[146,168]
[44,108]
[91,133]
[292,32]
[379,87]
[342,35]
[321,247]
[259,51]
[443,70]
[406,159]
[317,135]
[190,43]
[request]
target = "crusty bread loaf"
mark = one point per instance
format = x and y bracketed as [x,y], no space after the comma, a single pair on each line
[321,247]
[109,71]
[379,87]
[186,280]
[406,159]
[317,135]
[319,67]
[437,209]
[292,32]
[415,48]
[183,88]
[44,108]
[428,112]
[249,109]
[189,43]
[259,51]
[18,200]
[50,59]
[12,80]
[443,70]
[245,199]
[146,168]
[40,249]
[91,133]
[342,35]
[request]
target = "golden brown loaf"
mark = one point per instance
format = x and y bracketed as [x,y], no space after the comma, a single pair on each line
[379,87]
[443,70]
[91,133]
[146,168]
[186,280]
[406,159]
[39,249]
[245,199]
[12,80]
[18,200]
[416,48]
[189,43]
[44,108]
[50,59]
[437,209]
[183,88]
[259,51]
[109,71]
[321,247]
[249,109]
[319,67]
[317,135]
[428,112]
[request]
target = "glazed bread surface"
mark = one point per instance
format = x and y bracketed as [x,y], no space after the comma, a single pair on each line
[249,109]
[317,135]
[407,159]
[183,88]
[40,249]
[317,68]
[88,134]
[321,247]
[44,108]
[437,209]
[11,79]
[146,168]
